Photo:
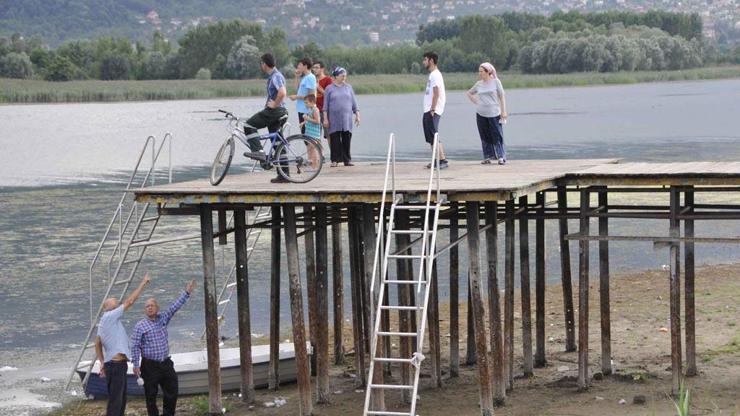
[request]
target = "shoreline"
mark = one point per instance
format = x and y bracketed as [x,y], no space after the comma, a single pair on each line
[15,91]
[640,350]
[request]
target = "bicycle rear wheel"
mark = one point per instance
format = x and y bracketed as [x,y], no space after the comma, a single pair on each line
[222,162]
[298,160]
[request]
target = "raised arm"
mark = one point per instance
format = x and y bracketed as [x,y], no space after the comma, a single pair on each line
[131,299]
[179,302]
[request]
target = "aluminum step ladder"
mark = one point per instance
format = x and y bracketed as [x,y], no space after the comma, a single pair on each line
[125,241]
[426,234]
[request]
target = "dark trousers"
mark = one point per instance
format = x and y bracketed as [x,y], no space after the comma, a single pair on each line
[339,143]
[491,137]
[430,124]
[155,375]
[268,117]
[301,117]
[115,378]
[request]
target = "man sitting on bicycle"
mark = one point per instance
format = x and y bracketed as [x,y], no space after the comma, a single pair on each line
[272,113]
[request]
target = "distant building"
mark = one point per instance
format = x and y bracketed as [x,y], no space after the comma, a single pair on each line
[374,37]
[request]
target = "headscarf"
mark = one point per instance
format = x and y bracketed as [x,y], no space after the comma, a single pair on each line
[338,71]
[489,68]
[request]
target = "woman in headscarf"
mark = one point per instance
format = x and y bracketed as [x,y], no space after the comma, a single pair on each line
[490,101]
[339,106]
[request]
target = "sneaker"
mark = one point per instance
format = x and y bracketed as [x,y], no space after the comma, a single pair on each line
[256,155]
[349,164]
[334,164]
[485,162]
[279,179]
[443,164]
[502,161]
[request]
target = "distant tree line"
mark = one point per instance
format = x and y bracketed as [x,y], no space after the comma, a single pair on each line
[559,43]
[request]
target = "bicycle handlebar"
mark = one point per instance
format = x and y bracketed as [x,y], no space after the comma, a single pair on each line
[228,114]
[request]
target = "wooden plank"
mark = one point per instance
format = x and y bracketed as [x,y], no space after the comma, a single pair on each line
[568,313]
[454,296]
[527,358]
[275,255]
[494,305]
[211,312]
[509,294]
[337,285]
[322,307]
[689,275]
[484,374]
[605,305]
[305,406]
[242,299]
[583,271]
[539,356]
[675,297]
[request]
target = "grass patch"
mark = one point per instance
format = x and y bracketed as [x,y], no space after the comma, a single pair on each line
[36,91]
[731,348]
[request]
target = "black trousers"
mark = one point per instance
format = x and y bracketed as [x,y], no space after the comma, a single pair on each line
[268,117]
[339,143]
[115,378]
[159,374]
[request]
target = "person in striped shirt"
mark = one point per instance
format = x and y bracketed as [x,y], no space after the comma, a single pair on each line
[150,341]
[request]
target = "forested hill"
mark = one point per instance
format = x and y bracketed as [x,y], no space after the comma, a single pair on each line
[326,22]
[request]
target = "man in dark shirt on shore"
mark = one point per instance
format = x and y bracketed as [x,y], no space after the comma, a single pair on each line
[151,341]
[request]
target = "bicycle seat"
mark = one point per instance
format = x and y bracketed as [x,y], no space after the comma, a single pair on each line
[282,120]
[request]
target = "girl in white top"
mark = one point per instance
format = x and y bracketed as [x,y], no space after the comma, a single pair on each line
[490,100]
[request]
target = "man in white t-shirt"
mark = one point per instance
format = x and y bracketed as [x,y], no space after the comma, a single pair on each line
[434,104]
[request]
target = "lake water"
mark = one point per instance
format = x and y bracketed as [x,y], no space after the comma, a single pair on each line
[61,168]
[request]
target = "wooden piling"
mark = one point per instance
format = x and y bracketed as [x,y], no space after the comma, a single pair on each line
[322,307]
[356,290]
[568,313]
[454,295]
[583,260]
[310,256]
[305,406]
[366,227]
[539,355]
[242,299]
[435,344]
[404,272]
[209,292]
[675,297]
[337,276]
[509,294]
[484,374]
[494,305]
[606,331]
[689,274]
[222,234]
[470,356]
[527,363]
[275,254]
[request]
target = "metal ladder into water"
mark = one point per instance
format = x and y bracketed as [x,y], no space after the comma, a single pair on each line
[426,233]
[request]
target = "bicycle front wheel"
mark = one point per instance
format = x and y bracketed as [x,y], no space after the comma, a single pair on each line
[298,160]
[222,162]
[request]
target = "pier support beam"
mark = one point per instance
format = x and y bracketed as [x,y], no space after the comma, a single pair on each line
[435,343]
[358,332]
[583,272]
[322,307]
[310,251]
[209,292]
[675,298]
[539,356]
[509,294]
[606,330]
[484,375]
[275,254]
[454,295]
[494,305]
[404,272]
[689,274]
[568,313]
[296,309]
[242,299]
[524,288]
[337,275]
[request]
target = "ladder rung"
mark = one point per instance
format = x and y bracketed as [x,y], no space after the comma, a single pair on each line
[409,231]
[392,387]
[424,207]
[149,219]
[405,282]
[136,260]
[386,413]
[90,345]
[392,360]
[122,282]
[400,334]
[224,301]
[231,285]
[405,256]
[400,308]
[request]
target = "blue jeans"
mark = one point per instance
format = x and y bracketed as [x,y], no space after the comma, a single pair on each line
[491,137]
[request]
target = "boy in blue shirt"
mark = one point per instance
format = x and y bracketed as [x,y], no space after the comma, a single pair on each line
[305,85]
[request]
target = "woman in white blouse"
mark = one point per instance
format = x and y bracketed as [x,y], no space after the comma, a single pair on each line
[490,101]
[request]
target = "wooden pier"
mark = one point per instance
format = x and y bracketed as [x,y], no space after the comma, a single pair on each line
[481,197]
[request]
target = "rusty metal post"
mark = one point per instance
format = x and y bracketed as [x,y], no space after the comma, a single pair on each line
[242,299]
[479,313]
[310,250]
[322,307]
[509,258]
[305,405]
[583,247]
[209,292]
[568,313]
[524,288]
[337,284]
[606,330]
[689,274]
[454,295]
[494,305]
[356,290]
[275,254]
[539,355]
[675,297]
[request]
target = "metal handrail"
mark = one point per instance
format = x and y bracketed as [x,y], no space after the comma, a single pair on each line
[390,168]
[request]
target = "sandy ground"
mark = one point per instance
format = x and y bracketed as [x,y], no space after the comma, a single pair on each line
[640,349]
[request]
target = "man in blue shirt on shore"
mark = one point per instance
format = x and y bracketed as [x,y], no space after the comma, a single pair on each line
[111,348]
[151,341]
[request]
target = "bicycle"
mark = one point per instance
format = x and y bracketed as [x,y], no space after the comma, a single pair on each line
[296,158]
